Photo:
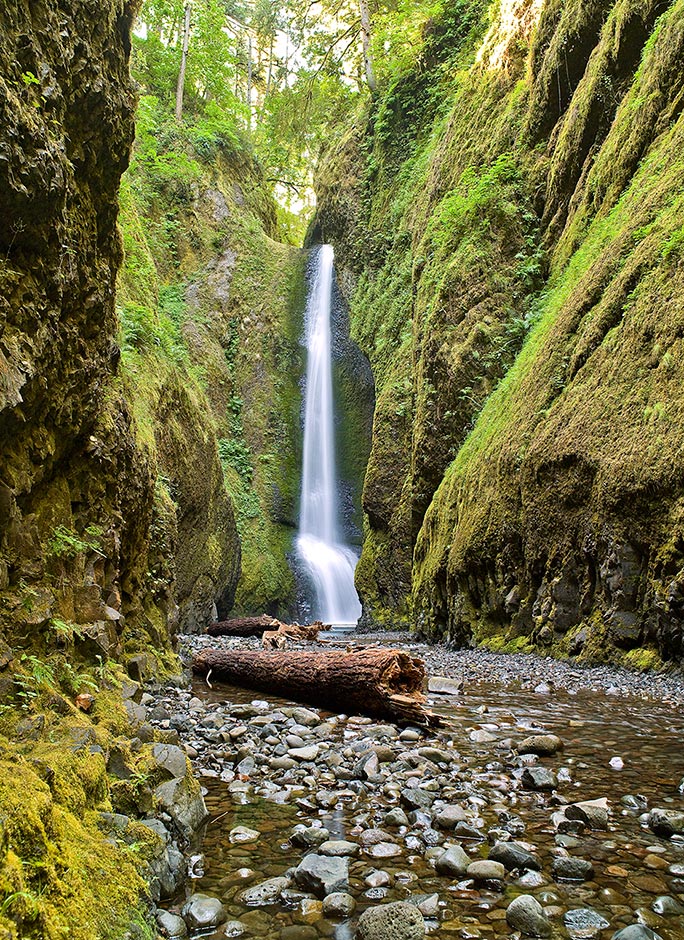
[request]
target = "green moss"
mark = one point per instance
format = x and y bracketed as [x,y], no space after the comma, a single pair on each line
[643,660]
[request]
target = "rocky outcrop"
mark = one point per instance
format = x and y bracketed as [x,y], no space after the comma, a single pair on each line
[77,505]
[516,262]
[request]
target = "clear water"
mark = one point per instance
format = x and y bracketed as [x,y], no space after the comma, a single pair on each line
[630,861]
[327,561]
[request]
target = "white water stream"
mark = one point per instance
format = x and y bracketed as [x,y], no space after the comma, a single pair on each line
[327,561]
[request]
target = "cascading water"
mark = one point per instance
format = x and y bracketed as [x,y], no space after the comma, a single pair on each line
[327,561]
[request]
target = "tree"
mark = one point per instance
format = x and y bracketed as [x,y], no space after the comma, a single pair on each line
[184,58]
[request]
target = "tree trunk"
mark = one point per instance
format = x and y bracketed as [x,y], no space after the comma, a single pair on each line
[249,82]
[180,88]
[365,42]
[381,682]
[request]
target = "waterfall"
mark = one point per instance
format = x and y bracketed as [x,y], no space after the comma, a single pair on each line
[327,561]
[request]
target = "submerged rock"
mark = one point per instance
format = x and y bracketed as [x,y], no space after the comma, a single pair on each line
[323,875]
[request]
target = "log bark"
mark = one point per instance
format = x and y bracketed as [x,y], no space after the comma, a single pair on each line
[384,683]
[243,626]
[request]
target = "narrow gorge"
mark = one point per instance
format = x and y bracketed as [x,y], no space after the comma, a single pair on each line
[362,313]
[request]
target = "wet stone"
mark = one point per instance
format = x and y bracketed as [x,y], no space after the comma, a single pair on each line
[593,813]
[636,932]
[541,744]
[396,817]
[452,862]
[525,914]
[201,911]
[397,921]
[322,875]
[338,848]
[572,869]
[233,928]
[266,892]
[666,822]
[310,837]
[449,816]
[539,778]
[486,870]
[338,904]
[512,856]
[584,923]
[384,850]
[171,925]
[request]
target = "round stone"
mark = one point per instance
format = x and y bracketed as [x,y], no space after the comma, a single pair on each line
[201,911]
[525,914]
[486,870]
[338,904]
[397,921]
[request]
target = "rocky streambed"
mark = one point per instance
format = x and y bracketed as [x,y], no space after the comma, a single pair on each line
[549,804]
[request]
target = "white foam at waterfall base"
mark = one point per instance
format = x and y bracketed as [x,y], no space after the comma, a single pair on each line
[325,558]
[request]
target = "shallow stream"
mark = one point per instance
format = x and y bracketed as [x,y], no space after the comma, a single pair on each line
[631,863]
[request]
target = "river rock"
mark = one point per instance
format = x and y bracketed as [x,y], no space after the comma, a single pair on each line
[308,753]
[541,744]
[384,850]
[242,834]
[442,685]
[539,778]
[171,925]
[310,837]
[201,911]
[572,869]
[397,921]
[170,759]
[182,800]
[233,928]
[266,892]
[667,906]
[666,822]
[525,914]
[512,855]
[338,904]
[486,870]
[338,848]
[636,932]
[417,798]
[396,817]
[450,816]
[322,875]
[593,813]
[452,862]
[584,923]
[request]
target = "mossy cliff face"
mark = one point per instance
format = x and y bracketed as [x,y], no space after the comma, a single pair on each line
[210,335]
[523,255]
[77,495]
[85,571]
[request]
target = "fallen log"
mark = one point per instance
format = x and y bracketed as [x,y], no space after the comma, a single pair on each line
[384,683]
[243,626]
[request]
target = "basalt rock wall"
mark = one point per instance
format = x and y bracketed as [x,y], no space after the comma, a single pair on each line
[508,220]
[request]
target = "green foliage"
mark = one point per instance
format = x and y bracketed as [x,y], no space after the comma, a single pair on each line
[65,543]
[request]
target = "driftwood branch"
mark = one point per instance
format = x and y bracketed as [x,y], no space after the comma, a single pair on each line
[384,683]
